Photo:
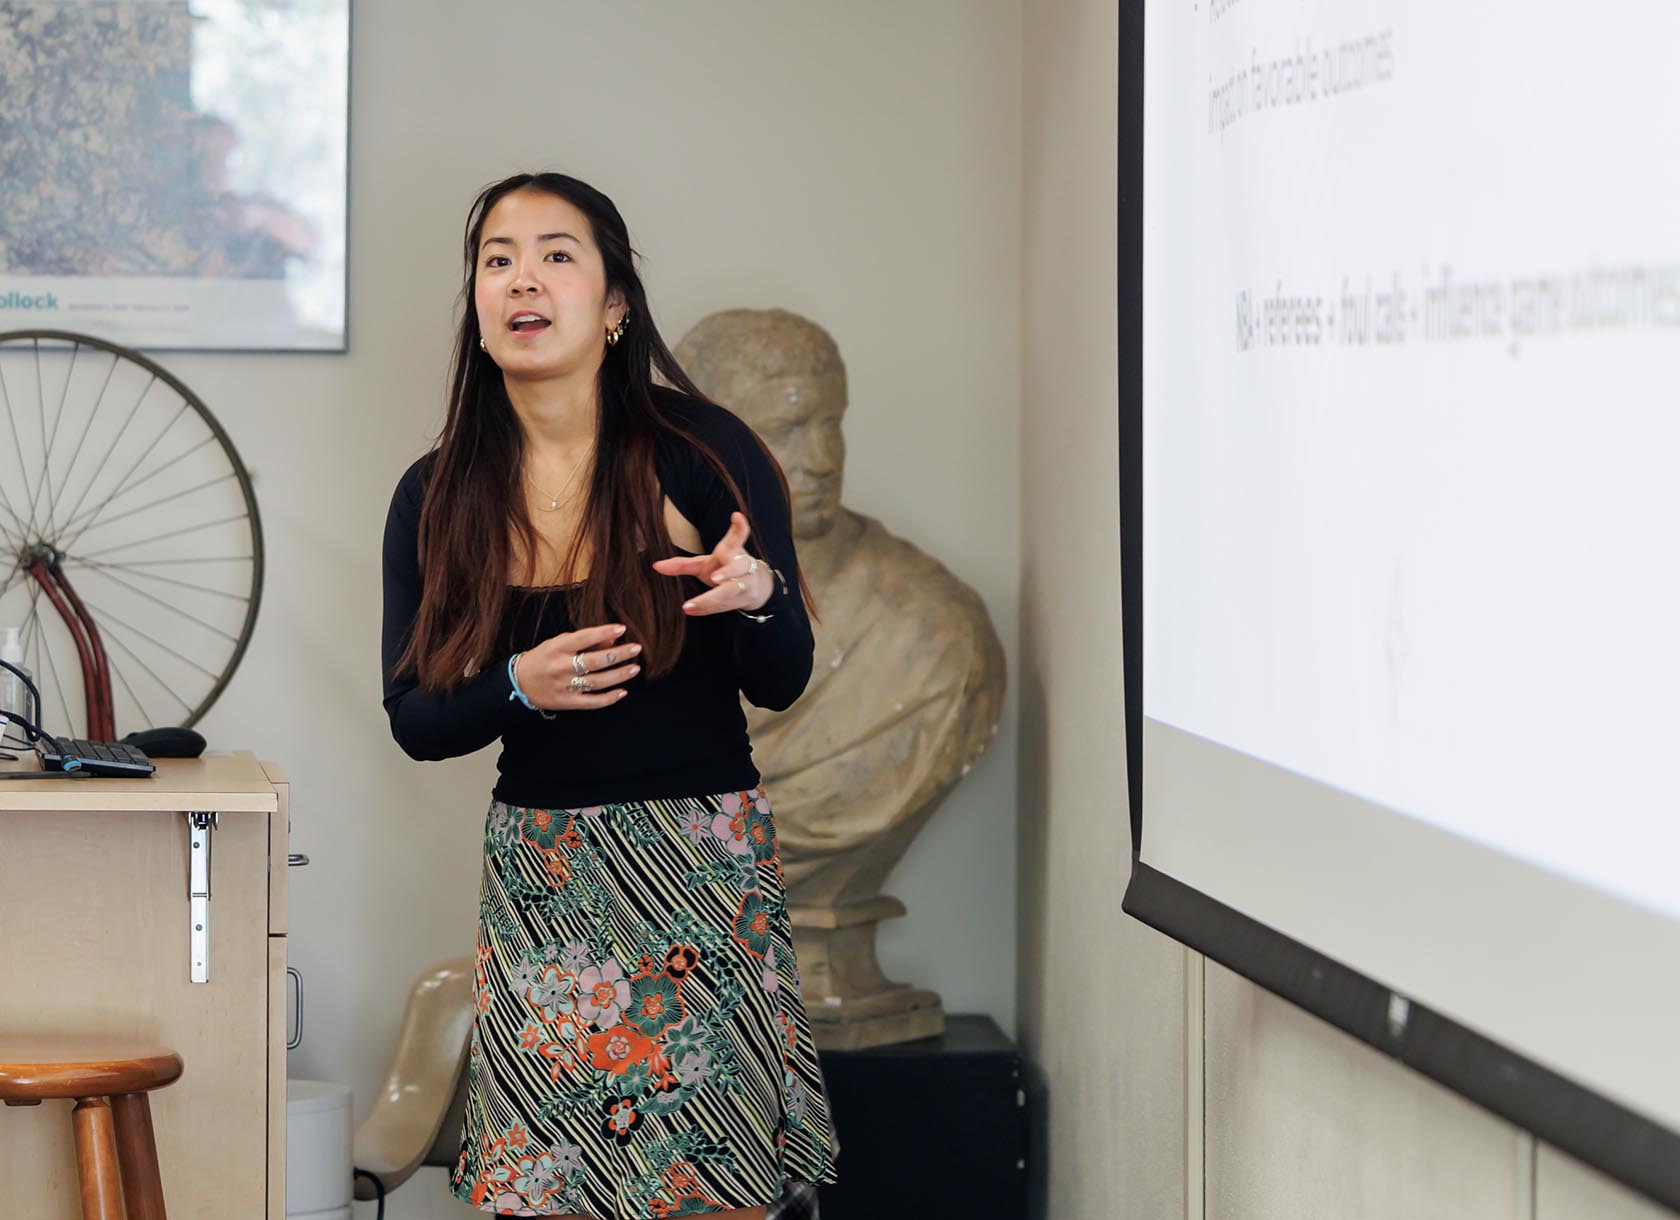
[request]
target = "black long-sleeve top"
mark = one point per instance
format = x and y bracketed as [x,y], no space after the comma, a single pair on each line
[683,734]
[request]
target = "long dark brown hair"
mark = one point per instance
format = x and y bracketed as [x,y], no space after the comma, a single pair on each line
[472,507]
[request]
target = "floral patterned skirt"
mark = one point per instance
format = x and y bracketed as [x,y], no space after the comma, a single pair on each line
[640,1047]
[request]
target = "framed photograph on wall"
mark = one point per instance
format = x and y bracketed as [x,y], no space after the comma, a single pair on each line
[173,173]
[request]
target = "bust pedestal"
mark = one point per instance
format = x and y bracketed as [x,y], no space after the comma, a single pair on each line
[848,1000]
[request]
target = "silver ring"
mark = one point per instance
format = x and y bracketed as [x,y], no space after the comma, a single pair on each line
[578,667]
[580,684]
[753,567]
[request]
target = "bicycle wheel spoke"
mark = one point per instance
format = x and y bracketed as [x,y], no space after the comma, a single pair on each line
[86,516]
[81,442]
[72,561]
[32,649]
[33,622]
[164,563]
[46,448]
[18,534]
[32,627]
[130,513]
[52,667]
[13,533]
[57,422]
[139,592]
[146,453]
[105,616]
[117,669]
[190,529]
[17,574]
[17,441]
[112,448]
[58,418]
[169,690]
[12,514]
[41,416]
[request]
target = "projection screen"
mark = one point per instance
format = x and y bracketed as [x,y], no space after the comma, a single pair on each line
[1409,421]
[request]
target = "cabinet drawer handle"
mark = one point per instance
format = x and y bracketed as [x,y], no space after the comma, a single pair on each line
[296,976]
[296,860]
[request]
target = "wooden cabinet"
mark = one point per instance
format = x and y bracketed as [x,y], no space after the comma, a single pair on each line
[95,937]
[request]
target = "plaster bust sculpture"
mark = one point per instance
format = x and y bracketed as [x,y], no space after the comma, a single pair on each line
[905,693]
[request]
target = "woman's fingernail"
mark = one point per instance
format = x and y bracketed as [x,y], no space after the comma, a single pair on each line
[618,630]
[635,650]
[688,605]
[623,693]
[634,670]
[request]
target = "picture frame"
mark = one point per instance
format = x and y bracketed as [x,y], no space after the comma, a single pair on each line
[174,173]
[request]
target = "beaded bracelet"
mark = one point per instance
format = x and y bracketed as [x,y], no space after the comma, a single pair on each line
[765,618]
[518,693]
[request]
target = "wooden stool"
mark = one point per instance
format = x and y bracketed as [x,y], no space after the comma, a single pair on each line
[108,1079]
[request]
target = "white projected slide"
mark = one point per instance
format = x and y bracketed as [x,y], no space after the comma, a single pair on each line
[1411,429]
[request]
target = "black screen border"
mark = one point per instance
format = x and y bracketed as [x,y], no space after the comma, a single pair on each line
[1625,1146]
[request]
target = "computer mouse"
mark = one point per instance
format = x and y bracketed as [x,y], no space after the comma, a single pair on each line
[166,743]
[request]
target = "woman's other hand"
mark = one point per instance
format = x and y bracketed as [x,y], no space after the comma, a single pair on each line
[741,582]
[577,670]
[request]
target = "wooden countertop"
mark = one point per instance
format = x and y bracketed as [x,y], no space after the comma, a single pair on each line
[225,783]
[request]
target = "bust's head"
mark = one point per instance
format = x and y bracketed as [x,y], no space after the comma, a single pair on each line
[783,376]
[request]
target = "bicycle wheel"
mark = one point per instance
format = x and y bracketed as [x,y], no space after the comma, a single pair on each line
[127,518]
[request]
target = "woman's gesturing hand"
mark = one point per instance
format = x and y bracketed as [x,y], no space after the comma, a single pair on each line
[576,670]
[741,582]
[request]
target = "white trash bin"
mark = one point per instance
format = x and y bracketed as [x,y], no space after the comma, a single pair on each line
[319,1181]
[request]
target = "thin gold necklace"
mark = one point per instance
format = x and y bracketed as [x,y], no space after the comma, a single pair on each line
[554,500]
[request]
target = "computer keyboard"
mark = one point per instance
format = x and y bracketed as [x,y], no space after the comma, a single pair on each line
[112,758]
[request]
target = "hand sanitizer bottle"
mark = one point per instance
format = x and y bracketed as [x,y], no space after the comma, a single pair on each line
[14,696]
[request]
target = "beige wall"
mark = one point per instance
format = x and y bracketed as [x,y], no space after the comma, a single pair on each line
[858,163]
[1101,998]
[1161,1068]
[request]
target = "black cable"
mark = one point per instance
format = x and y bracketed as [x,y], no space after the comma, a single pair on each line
[34,732]
[378,1191]
[33,709]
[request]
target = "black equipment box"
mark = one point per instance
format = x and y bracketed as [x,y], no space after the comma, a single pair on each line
[935,1127]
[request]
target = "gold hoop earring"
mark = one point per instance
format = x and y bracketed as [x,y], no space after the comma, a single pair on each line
[481,346]
[617,333]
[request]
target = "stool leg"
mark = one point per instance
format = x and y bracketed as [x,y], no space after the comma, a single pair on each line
[137,1150]
[96,1157]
